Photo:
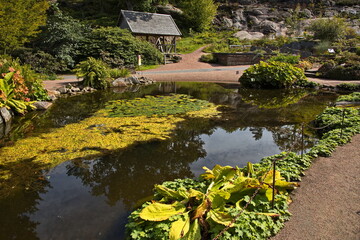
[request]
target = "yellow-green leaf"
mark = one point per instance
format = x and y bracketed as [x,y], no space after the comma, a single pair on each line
[167,192]
[220,217]
[159,211]
[179,228]
[194,232]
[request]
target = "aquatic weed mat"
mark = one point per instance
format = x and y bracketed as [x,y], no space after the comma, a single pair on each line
[120,124]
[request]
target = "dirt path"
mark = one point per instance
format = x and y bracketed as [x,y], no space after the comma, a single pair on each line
[327,205]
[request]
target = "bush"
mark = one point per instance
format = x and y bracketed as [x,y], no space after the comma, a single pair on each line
[286,58]
[322,47]
[42,62]
[208,58]
[348,86]
[31,79]
[118,48]
[272,75]
[117,73]
[62,37]
[328,29]
[305,65]
[94,72]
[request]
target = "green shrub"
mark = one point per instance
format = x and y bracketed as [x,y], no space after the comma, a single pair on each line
[202,209]
[42,62]
[328,29]
[118,48]
[94,72]
[62,37]
[349,86]
[208,58]
[353,97]
[31,80]
[272,75]
[322,47]
[331,70]
[119,72]
[285,58]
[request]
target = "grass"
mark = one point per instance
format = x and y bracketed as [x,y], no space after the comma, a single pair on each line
[146,67]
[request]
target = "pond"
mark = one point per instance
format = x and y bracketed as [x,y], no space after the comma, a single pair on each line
[91,197]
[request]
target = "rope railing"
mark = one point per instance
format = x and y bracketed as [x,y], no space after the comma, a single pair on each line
[273,165]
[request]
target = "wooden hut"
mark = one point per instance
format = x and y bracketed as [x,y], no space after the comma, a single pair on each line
[159,29]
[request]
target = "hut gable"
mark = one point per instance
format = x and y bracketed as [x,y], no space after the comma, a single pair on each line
[141,23]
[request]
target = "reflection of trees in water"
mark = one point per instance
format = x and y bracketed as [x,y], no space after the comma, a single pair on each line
[131,174]
[19,196]
[289,138]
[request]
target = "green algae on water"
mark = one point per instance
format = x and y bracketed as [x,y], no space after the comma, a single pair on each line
[119,125]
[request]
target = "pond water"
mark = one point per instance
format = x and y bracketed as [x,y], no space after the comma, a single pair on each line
[91,198]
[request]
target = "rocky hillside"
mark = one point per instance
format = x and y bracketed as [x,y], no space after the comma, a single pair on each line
[254,20]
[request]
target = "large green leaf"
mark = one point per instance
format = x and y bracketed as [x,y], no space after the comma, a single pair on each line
[220,217]
[169,193]
[194,232]
[179,228]
[159,211]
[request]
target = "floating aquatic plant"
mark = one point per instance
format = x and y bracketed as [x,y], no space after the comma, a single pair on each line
[119,125]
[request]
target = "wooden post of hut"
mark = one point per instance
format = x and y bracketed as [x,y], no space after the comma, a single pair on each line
[158,29]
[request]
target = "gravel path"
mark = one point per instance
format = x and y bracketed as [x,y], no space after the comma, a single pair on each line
[327,205]
[189,69]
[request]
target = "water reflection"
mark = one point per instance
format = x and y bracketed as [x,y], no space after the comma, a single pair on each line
[91,199]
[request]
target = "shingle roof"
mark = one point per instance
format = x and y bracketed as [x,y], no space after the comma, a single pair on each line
[150,23]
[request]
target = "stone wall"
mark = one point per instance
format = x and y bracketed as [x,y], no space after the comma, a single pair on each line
[232,59]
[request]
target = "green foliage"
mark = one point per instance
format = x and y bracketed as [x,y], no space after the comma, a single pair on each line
[31,87]
[155,106]
[208,58]
[199,14]
[117,47]
[189,213]
[348,86]
[42,62]
[328,29]
[345,66]
[119,72]
[272,75]
[9,97]
[94,73]
[221,193]
[285,58]
[322,47]
[61,37]
[196,40]
[19,21]
[353,97]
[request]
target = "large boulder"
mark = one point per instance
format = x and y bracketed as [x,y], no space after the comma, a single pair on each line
[5,114]
[268,27]
[239,16]
[227,22]
[248,35]
[120,82]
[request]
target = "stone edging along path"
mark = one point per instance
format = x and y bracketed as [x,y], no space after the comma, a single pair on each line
[327,205]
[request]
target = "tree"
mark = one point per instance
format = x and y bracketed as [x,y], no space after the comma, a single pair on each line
[62,36]
[19,21]
[199,13]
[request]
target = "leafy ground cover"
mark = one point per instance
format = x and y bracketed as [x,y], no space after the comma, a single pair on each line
[109,129]
[353,97]
[201,209]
